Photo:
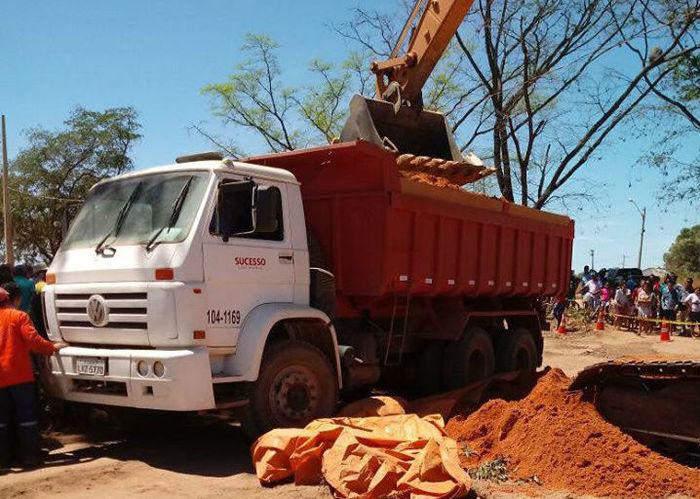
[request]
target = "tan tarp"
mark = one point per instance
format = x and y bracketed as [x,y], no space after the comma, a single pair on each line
[400,454]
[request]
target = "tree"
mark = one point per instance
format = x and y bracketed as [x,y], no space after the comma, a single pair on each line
[538,94]
[535,87]
[256,99]
[53,174]
[683,257]
[677,126]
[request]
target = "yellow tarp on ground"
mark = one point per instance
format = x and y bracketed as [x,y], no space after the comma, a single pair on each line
[371,457]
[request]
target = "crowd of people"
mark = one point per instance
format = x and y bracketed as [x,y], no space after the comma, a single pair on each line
[22,333]
[634,298]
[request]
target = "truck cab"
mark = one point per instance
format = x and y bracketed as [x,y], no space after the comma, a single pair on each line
[173,281]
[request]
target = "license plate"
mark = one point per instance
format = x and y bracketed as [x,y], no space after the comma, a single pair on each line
[91,366]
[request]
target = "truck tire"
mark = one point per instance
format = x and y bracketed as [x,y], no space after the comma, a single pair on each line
[517,351]
[470,359]
[296,385]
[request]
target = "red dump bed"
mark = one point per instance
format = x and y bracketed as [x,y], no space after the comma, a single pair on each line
[383,234]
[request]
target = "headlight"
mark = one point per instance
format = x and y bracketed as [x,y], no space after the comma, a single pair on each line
[142,368]
[158,369]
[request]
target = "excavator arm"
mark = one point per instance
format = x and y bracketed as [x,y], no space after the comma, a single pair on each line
[402,77]
[396,118]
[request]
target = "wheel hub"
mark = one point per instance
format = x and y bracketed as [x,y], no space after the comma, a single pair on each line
[295,395]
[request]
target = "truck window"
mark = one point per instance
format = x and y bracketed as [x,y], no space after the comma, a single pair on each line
[149,213]
[233,216]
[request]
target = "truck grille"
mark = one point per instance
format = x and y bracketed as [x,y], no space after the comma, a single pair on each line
[126,310]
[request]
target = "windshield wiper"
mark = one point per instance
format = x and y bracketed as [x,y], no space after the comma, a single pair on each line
[174,214]
[101,247]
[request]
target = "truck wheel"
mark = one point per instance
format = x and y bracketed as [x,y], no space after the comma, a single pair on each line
[518,352]
[296,385]
[469,360]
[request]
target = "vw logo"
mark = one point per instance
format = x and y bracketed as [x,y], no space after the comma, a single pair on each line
[97,311]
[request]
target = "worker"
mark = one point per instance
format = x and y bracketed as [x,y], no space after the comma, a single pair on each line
[23,274]
[18,397]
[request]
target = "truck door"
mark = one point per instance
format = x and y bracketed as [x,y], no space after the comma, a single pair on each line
[248,257]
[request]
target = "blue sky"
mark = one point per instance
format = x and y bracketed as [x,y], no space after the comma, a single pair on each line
[156,55]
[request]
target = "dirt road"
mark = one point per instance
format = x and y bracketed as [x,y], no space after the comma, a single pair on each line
[212,460]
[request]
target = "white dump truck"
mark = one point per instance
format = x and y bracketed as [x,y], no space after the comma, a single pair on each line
[169,283]
[273,285]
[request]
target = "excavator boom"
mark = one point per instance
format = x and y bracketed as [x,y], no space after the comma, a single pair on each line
[396,119]
[430,38]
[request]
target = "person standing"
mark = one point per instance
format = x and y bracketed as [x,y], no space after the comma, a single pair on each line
[586,275]
[645,307]
[683,307]
[591,298]
[18,397]
[27,289]
[692,301]
[621,304]
[670,299]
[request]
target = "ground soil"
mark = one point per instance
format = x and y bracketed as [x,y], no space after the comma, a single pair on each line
[210,458]
[557,438]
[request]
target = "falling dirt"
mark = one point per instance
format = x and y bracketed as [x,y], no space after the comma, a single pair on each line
[426,178]
[557,438]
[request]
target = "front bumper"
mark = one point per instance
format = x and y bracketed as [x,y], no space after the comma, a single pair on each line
[185,385]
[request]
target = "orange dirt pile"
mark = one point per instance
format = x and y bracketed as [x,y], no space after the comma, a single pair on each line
[563,440]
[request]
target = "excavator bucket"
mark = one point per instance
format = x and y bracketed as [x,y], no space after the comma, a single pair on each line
[656,401]
[422,133]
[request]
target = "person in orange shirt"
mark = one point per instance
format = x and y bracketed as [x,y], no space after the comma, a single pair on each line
[18,397]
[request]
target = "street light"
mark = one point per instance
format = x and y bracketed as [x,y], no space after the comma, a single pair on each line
[643,214]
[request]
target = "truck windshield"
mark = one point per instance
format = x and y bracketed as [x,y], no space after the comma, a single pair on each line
[150,210]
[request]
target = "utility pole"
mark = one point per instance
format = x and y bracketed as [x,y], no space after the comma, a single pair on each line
[643,214]
[6,213]
[592,259]
[623,260]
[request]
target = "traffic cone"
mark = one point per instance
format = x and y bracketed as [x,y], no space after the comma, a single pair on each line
[664,336]
[562,325]
[600,325]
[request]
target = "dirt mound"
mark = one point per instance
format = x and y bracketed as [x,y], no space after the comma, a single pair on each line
[561,439]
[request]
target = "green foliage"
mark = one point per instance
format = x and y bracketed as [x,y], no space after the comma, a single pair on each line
[686,76]
[286,117]
[54,173]
[495,470]
[324,105]
[683,257]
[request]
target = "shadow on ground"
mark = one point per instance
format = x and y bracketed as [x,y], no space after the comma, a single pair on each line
[195,446]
